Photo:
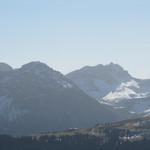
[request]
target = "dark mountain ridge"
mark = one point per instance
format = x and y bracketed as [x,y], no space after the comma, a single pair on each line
[35,98]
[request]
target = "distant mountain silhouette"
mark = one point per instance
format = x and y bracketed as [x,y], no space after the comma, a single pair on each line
[112,85]
[35,98]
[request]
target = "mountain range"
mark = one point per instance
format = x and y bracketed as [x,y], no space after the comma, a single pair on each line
[35,98]
[112,85]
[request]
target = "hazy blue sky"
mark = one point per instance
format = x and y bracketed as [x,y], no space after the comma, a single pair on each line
[68,34]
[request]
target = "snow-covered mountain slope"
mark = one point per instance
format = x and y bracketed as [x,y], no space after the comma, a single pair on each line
[112,85]
[131,96]
[128,90]
[138,106]
[36,98]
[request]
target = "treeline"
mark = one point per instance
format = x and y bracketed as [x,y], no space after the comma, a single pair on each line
[75,142]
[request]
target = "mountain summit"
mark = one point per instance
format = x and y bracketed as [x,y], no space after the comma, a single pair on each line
[112,85]
[98,80]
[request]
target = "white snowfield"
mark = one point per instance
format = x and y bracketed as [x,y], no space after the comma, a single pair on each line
[124,91]
[127,96]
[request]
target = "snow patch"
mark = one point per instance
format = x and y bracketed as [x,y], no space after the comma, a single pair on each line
[132,112]
[131,83]
[124,91]
[65,84]
[147,111]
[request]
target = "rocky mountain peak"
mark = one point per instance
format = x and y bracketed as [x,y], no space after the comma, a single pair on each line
[36,65]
